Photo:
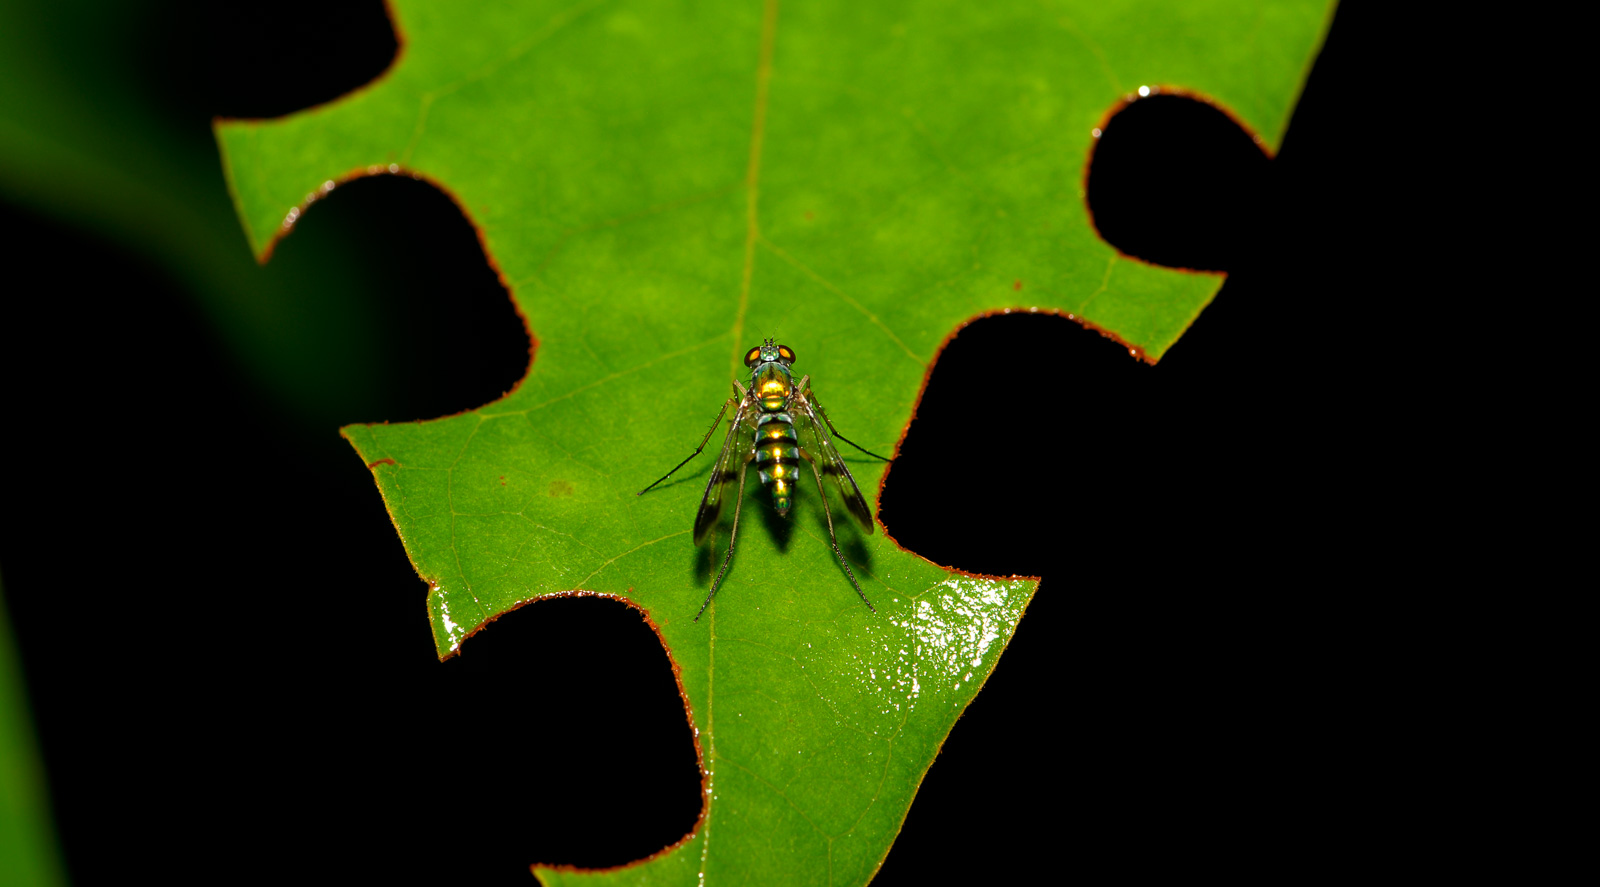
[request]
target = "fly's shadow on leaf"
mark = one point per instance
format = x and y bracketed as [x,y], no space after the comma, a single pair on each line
[856,550]
[779,527]
[703,561]
[1176,181]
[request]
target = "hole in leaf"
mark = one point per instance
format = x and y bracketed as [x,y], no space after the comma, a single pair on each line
[1176,182]
[558,735]
[1017,406]
[563,737]
[450,337]
[1040,447]
[244,60]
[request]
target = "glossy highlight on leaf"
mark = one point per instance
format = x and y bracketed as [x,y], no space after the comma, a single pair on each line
[662,185]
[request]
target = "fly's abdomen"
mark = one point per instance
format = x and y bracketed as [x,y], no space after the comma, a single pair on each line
[777,457]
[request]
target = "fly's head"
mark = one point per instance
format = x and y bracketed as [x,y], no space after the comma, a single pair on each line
[769,373]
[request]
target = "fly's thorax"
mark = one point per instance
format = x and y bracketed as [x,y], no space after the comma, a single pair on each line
[772,386]
[777,457]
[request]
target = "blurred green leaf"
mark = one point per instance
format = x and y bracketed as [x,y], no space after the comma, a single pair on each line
[27,841]
[85,138]
[661,186]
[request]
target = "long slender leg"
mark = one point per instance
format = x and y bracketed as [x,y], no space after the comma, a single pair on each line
[824,414]
[732,538]
[828,513]
[723,412]
[811,398]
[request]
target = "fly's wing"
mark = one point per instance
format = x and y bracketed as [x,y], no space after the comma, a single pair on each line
[729,463]
[814,436]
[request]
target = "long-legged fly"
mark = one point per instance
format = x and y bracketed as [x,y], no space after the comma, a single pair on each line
[777,424]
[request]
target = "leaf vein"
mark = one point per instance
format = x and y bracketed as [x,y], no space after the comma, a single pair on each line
[872,318]
[425,103]
[628,552]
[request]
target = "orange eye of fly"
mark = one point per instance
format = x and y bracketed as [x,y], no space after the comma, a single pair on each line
[751,358]
[785,353]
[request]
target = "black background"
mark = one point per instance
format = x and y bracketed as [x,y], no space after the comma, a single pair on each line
[1177,698]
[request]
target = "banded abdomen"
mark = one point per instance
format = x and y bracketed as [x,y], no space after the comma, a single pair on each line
[777,457]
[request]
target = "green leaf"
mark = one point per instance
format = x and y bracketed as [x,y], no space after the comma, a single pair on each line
[662,185]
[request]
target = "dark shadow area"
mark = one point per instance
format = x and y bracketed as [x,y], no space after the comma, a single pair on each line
[226,651]
[779,527]
[174,673]
[243,60]
[1184,692]
[856,551]
[982,439]
[452,339]
[704,560]
[1175,181]
[568,741]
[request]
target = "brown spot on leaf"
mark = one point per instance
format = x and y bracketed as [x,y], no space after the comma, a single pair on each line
[560,488]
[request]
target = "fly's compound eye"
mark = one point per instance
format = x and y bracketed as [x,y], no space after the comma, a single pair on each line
[753,356]
[785,355]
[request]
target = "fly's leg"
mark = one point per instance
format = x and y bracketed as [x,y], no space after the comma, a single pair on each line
[725,405]
[824,414]
[812,399]
[732,538]
[828,513]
